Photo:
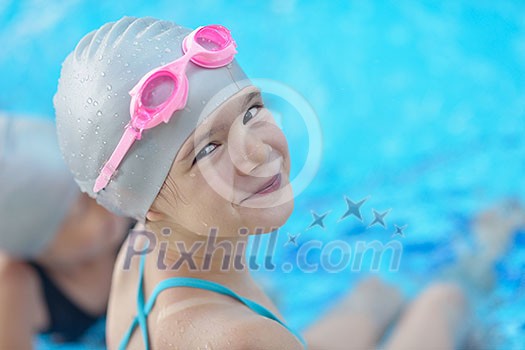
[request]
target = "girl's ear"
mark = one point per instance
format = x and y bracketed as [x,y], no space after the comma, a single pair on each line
[155,216]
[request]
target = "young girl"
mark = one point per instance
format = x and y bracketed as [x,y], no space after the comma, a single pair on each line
[192,153]
[57,246]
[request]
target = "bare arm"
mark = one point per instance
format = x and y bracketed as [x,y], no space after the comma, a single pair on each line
[437,319]
[264,334]
[359,320]
[21,307]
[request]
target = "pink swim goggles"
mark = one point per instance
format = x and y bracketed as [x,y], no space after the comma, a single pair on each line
[164,90]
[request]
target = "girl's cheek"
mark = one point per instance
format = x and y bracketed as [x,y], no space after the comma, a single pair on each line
[216,178]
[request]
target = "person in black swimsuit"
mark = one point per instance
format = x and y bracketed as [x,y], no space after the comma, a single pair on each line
[57,245]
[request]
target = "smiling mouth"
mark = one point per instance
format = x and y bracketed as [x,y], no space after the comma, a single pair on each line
[269,187]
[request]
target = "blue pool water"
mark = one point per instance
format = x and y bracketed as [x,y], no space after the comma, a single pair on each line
[421,107]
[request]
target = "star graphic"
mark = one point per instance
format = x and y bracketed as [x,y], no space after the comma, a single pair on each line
[379,218]
[292,239]
[318,219]
[353,208]
[399,231]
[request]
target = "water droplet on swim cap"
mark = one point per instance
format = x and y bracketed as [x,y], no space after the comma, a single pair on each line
[89,100]
[109,87]
[99,113]
[102,74]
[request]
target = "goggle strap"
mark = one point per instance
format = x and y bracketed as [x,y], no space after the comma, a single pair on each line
[125,143]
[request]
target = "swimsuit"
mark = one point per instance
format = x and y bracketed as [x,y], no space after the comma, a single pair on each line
[143,309]
[67,321]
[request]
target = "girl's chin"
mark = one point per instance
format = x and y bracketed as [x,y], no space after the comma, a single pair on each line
[267,220]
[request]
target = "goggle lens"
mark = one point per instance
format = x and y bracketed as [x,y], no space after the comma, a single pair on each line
[213,38]
[157,91]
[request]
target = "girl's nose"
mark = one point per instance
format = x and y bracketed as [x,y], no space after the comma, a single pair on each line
[249,154]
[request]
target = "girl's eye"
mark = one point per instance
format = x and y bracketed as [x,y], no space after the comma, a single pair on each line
[210,147]
[251,113]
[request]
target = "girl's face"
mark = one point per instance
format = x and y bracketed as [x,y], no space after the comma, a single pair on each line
[88,231]
[232,172]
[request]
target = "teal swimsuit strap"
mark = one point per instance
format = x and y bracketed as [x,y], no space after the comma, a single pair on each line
[141,314]
[143,311]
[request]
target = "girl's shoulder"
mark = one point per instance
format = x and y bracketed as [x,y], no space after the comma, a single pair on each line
[217,324]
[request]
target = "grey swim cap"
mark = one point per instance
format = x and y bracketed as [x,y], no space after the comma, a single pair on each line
[92,109]
[37,188]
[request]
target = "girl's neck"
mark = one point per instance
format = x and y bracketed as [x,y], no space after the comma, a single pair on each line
[214,256]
